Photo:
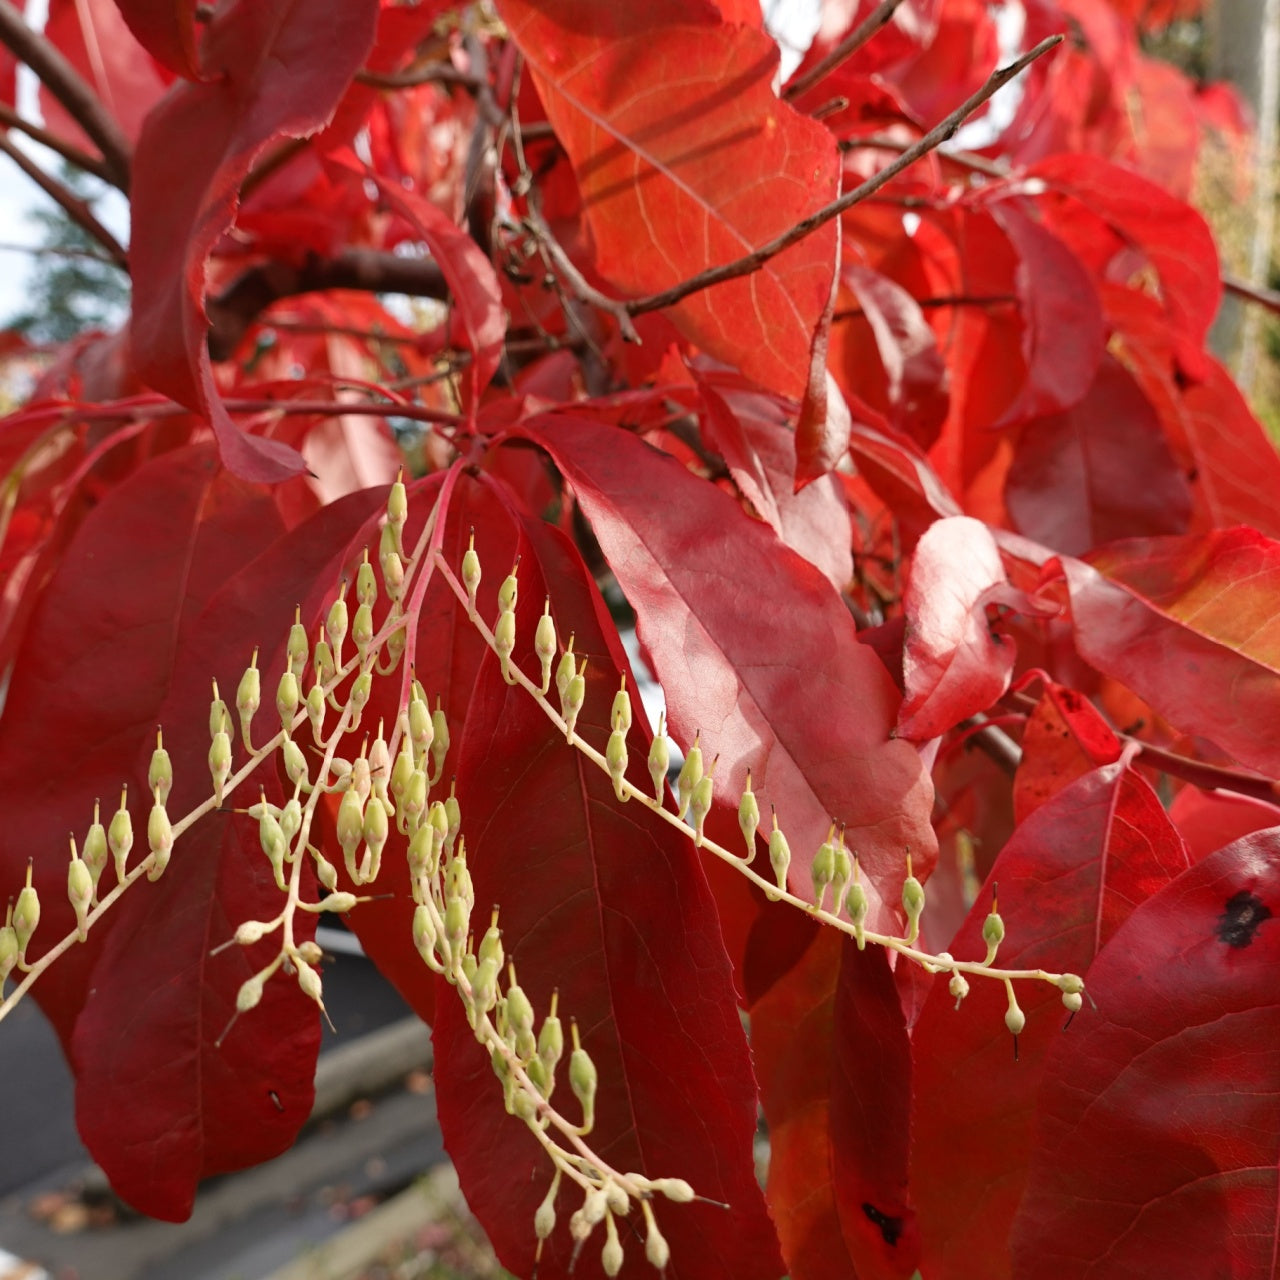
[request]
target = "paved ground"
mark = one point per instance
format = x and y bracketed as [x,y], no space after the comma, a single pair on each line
[374,1132]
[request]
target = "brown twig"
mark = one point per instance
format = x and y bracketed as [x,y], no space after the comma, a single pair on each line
[72,154]
[65,83]
[1268,298]
[76,209]
[877,18]
[965,159]
[929,142]
[368,270]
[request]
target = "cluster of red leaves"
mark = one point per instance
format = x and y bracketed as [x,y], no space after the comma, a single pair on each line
[955,471]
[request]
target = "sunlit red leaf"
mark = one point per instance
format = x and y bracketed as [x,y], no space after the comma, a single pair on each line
[1067,879]
[167,30]
[278,70]
[1207,820]
[609,905]
[1190,625]
[687,159]
[1158,1121]
[797,701]
[953,664]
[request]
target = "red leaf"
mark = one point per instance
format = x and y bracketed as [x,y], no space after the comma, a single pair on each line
[608,905]
[752,432]
[165,565]
[1159,1118]
[913,390]
[1068,878]
[1170,234]
[1072,483]
[798,701]
[93,37]
[1065,738]
[277,69]
[167,30]
[1063,334]
[953,665]
[1190,625]
[1207,820]
[687,159]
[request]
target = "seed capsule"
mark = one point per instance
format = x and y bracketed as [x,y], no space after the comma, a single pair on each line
[659,760]
[219,764]
[1072,1001]
[159,838]
[9,950]
[575,695]
[219,716]
[583,1081]
[620,712]
[315,713]
[544,643]
[366,583]
[397,505]
[749,818]
[611,1254]
[566,669]
[616,757]
[295,765]
[471,572]
[656,1249]
[79,891]
[160,771]
[297,650]
[287,699]
[424,932]
[504,641]
[912,903]
[779,854]
[700,800]
[992,934]
[335,625]
[95,849]
[421,730]
[322,662]
[392,574]
[509,592]
[959,987]
[250,994]
[1014,1018]
[439,741]
[120,835]
[544,1221]
[249,699]
[690,773]
[823,870]
[857,905]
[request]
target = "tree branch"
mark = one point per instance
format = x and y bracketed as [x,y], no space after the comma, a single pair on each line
[64,82]
[72,154]
[234,310]
[1267,298]
[76,209]
[929,142]
[877,18]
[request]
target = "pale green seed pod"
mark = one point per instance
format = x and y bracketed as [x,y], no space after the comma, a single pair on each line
[310,952]
[392,574]
[95,849]
[421,730]
[779,854]
[617,1199]
[659,760]
[362,630]
[160,771]
[457,880]
[912,902]
[843,874]
[366,583]
[544,644]
[575,694]
[484,986]
[583,1081]
[690,773]
[315,713]
[453,813]
[397,505]
[273,843]
[159,839]
[504,641]
[414,803]
[79,891]
[566,669]
[375,826]
[350,823]
[322,662]
[823,870]
[219,716]
[252,931]
[290,823]
[424,932]
[361,688]
[326,872]
[676,1190]
[1014,1018]
[615,755]
[419,852]
[539,1077]
[491,944]
[857,904]
[1071,982]
[439,741]
[749,818]
[287,698]
[992,934]
[1072,1001]
[393,647]
[250,994]
[959,987]
[595,1207]
[544,1221]
[335,627]
[471,573]
[298,649]
[509,592]
[401,771]
[470,967]
[295,765]
[339,902]
[551,1038]
[611,1255]
[620,712]
[656,1249]
[249,699]
[519,1009]
[309,981]
[457,917]
[219,765]
[700,801]
[120,835]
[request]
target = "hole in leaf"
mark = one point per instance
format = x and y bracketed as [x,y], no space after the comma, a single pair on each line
[1239,922]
